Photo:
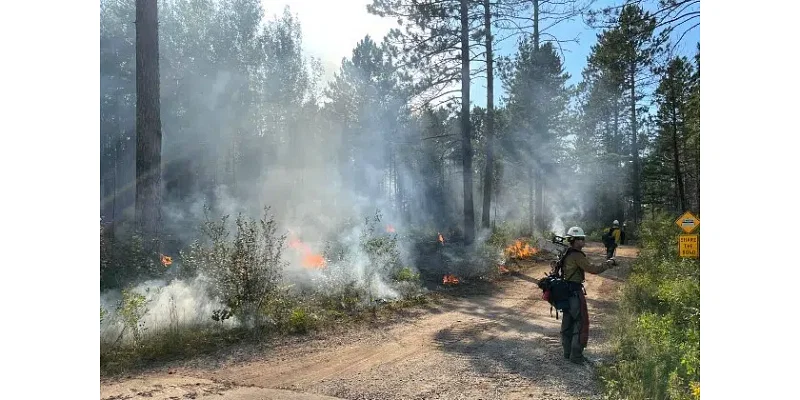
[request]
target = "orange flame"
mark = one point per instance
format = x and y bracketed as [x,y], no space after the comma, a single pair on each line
[441,238]
[314,261]
[166,260]
[389,229]
[502,269]
[450,279]
[520,250]
[310,259]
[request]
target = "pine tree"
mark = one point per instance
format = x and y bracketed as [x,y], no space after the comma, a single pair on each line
[672,118]
[625,56]
[148,123]
[436,42]
[537,103]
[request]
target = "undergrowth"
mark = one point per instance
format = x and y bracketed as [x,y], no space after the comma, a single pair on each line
[657,331]
[239,266]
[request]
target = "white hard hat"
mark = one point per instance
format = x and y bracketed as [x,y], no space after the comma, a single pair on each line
[575,231]
[616,222]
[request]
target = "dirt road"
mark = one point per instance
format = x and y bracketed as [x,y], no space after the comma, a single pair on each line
[502,344]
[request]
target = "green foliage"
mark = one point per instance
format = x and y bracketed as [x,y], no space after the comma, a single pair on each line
[502,235]
[346,297]
[406,274]
[671,170]
[300,321]
[612,111]
[244,270]
[538,96]
[167,344]
[381,248]
[124,259]
[132,307]
[264,112]
[425,42]
[657,335]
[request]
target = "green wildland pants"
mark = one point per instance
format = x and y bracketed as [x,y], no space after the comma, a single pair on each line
[575,327]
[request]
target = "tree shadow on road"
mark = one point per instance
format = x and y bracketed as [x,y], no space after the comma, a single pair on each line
[535,355]
[502,341]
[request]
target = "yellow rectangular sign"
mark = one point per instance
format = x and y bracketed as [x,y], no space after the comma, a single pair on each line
[689,246]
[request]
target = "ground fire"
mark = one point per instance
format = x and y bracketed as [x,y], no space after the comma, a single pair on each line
[441,238]
[389,229]
[450,279]
[166,260]
[502,269]
[310,259]
[520,249]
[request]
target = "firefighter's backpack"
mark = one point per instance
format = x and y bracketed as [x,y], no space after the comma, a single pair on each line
[555,289]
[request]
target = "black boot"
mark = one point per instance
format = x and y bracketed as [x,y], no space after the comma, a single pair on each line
[576,356]
[566,343]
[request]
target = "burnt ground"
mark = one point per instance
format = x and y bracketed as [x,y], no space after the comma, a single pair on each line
[478,341]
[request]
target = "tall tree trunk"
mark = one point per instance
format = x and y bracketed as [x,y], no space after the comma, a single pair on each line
[531,181]
[536,24]
[675,155]
[540,199]
[401,201]
[637,191]
[116,182]
[489,173]
[497,187]
[616,142]
[466,142]
[697,183]
[148,122]
[539,173]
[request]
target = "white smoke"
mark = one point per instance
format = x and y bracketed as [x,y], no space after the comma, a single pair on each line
[175,303]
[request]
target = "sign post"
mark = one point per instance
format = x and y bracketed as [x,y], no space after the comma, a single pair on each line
[688,244]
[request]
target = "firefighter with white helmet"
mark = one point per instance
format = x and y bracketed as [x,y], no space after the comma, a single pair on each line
[575,324]
[575,231]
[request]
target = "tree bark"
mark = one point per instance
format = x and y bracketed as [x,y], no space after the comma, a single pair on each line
[148,122]
[637,191]
[536,24]
[466,142]
[677,163]
[616,144]
[489,172]
[697,183]
[539,190]
[531,181]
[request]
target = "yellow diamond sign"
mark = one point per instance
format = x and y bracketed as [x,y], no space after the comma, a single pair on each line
[688,222]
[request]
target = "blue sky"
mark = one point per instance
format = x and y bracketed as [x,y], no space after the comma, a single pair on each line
[575,54]
[328,39]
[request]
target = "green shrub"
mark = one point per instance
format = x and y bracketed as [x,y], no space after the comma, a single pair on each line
[381,248]
[502,235]
[131,309]
[657,332]
[242,262]
[124,259]
[405,274]
[300,321]
[245,270]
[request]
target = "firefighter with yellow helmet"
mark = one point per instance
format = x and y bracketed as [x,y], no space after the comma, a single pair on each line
[611,239]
